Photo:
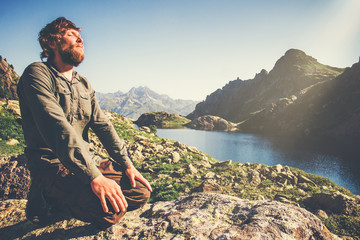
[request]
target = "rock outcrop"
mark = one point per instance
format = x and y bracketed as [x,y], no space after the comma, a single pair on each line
[198,216]
[335,202]
[8,80]
[162,120]
[211,123]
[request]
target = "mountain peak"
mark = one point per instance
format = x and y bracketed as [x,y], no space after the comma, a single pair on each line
[295,53]
[293,61]
[295,57]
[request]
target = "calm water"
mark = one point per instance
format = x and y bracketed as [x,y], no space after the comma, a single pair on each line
[243,148]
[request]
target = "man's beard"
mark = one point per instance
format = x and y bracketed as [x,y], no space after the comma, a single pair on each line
[71,55]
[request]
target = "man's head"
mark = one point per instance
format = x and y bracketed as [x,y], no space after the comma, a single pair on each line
[63,37]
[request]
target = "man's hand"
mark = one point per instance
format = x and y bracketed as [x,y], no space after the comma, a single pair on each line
[133,174]
[105,188]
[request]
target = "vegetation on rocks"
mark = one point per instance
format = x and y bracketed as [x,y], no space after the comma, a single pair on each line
[175,169]
[162,120]
[11,135]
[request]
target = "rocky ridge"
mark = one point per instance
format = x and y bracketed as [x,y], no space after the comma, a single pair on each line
[326,109]
[239,100]
[8,80]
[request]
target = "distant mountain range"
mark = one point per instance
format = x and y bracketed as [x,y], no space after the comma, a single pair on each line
[142,100]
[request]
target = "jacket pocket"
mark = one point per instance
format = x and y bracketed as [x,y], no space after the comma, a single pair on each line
[63,95]
[85,104]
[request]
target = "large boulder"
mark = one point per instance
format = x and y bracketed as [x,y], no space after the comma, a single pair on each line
[198,216]
[335,202]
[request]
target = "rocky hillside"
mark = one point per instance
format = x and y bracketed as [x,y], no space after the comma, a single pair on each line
[142,100]
[8,80]
[177,170]
[260,202]
[326,109]
[239,100]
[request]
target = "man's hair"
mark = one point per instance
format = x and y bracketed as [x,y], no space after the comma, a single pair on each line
[52,32]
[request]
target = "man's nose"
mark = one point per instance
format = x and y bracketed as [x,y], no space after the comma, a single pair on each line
[79,39]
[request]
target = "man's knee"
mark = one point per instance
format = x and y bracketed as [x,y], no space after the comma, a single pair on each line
[108,220]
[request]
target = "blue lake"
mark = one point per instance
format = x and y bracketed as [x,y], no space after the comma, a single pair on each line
[251,148]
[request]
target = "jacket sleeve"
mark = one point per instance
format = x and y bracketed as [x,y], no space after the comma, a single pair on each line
[105,131]
[50,120]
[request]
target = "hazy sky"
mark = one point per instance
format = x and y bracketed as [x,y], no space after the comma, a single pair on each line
[184,48]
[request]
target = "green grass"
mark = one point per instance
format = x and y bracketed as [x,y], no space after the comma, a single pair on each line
[344,225]
[7,150]
[10,129]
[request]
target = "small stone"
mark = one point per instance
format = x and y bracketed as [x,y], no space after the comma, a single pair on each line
[175,157]
[12,142]
[277,168]
[209,175]
[322,214]
[145,129]
[192,169]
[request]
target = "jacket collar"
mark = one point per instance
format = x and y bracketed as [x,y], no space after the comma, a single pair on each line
[51,65]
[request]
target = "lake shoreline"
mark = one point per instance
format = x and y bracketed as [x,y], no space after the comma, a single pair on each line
[334,159]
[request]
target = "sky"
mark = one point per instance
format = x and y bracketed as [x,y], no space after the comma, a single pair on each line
[185,49]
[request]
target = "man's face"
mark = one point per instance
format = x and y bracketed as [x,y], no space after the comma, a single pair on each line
[71,48]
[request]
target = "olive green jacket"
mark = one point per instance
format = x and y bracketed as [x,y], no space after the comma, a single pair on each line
[56,116]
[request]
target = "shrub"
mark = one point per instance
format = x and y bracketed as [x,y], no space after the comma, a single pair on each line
[10,128]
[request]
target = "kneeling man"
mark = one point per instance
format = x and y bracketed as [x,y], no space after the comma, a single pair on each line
[58,106]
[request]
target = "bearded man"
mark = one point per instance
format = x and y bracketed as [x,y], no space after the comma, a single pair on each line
[58,106]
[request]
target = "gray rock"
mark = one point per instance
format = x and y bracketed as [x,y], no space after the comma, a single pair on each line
[145,129]
[336,202]
[198,216]
[254,177]
[209,185]
[175,156]
[192,169]
[14,178]
[209,175]
[211,123]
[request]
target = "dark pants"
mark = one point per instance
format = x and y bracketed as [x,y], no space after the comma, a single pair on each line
[67,192]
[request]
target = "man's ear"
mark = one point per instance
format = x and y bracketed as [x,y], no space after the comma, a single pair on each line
[52,45]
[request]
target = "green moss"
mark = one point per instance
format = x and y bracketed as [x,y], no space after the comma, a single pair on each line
[344,225]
